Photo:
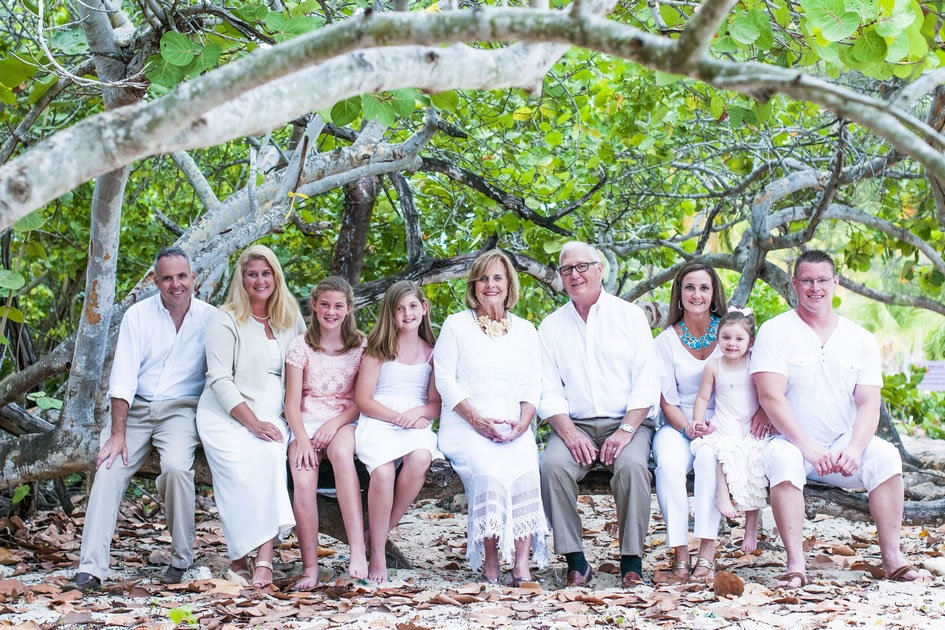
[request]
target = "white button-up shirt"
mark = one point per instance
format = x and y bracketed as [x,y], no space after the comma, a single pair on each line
[599,368]
[821,377]
[154,360]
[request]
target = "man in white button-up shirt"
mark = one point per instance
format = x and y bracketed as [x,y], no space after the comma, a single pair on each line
[819,379]
[600,391]
[157,377]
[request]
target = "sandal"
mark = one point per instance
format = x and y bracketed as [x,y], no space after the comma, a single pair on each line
[262,564]
[703,563]
[680,564]
[899,575]
[789,577]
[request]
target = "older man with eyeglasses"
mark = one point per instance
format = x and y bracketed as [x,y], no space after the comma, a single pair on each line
[600,394]
[819,379]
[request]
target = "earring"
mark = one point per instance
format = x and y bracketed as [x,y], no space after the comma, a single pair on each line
[680,304]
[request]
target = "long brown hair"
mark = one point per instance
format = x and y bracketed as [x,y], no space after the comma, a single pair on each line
[383,342]
[719,304]
[351,337]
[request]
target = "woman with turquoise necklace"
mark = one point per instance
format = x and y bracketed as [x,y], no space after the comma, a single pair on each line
[689,340]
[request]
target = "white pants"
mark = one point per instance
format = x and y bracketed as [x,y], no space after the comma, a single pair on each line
[674,460]
[784,462]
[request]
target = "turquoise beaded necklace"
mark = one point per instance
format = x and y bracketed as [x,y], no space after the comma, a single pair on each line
[705,340]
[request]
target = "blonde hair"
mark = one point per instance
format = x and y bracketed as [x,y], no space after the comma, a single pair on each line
[383,341]
[282,309]
[479,267]
[351,337]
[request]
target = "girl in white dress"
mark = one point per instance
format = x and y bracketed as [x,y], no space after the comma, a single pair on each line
[740,469]
[398,401]
[321,367]
[488,373]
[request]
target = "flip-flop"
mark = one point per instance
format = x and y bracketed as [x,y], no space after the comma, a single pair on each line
[899,575]
[793,575]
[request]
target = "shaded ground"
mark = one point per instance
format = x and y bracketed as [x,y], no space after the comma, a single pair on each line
[38,556]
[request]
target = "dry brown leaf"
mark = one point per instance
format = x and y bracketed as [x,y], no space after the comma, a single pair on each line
[842,550]
[442,598]
[76,616]
[11,588]
[8,558]
[531,587]
[436,515]
[727,583]
[875,571]
[729,613]
[411,625]
[608,567]
[574,607]
[810,543]
[822,561]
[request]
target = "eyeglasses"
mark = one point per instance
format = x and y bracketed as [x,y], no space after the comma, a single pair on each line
[581,267]
[818,282]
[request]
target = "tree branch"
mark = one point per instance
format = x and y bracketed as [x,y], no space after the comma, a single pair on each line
[198,182]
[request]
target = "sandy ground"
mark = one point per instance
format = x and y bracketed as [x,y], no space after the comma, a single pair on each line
[441,591]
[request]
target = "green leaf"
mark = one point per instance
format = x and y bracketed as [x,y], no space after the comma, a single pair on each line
[376,109]
[13,314]
[765,37]
[7,96]
[32,221]
[447,101]
[346,111]
[743,29]
[11,280]
[13,72]
[897,21]
[717,107]
[206,58]
[70,41]
[163,72]
[869,47]
[20,493]
[724,45]
[898,48]
[832,17]
[40,87]
[918,46]
[782,16]
[554,138]
[666,78]
[404,101]
[177,49]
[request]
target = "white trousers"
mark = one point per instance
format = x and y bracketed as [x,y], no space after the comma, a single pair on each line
[784,462]
[674,460]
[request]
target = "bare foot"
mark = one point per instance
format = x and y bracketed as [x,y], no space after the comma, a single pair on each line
[724,505]
[358,567]
[750,541]
[377,569]
[309,579]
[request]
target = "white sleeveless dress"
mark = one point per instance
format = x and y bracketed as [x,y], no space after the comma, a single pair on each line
[736,401]
[399,387]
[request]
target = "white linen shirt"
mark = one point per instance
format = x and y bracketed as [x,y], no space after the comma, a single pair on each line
[820,377]
[601,368]
[681,372]
[154,360]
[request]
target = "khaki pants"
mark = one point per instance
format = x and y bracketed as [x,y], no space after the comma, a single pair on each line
[630,486]
[168,426]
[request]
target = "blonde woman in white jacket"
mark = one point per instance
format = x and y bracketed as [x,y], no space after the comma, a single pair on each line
[239,416]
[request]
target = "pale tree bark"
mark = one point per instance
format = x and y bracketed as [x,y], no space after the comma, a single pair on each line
[208,109]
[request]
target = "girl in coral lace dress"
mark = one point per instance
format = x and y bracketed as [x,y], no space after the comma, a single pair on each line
[321,367]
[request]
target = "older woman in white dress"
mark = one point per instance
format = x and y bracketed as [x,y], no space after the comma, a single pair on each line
[488,372]
[239,416]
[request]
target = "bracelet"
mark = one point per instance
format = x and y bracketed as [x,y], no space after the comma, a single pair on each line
[683,431]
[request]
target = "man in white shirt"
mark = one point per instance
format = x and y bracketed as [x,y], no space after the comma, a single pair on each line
[600,391]
[819,378]
[157,377]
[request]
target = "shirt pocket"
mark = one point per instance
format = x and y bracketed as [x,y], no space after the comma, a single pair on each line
[801,369]
[846,371]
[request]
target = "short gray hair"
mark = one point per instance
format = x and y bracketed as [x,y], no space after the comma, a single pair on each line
[171,251]
[573,245]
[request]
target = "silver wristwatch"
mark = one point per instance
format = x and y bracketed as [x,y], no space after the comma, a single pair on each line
[626,427]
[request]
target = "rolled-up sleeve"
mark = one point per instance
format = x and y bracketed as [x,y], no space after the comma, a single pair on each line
[445,363]
[531,374]
[553,400]
[221,348]
[645,368]
[123,382]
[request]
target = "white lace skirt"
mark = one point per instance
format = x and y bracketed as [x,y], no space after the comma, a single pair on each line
[503,490]
[741,459]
